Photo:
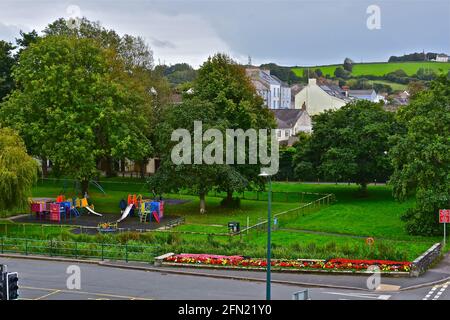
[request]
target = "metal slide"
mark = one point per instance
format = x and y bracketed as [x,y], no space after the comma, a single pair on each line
[126,212]
[93,212]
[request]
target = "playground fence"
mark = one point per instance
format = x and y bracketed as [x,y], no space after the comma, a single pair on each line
[288,215]
[78,250]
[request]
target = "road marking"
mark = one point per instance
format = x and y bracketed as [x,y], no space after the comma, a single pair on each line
[362,295]
[48,295]
[438,294]
[106,295]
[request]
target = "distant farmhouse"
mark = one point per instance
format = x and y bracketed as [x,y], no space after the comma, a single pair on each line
[441,58]
[276,93]
[289,123]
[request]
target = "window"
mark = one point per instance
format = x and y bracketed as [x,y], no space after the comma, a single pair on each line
[274,105]
[286,133]
[279,133]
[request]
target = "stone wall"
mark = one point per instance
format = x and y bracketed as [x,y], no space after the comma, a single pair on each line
[422,263]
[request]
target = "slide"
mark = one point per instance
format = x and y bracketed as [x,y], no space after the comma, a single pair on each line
[156,216]
[93,212]
[126,212]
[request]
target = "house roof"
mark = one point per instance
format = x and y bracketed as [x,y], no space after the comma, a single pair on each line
[361,92]
[287,118]
[335,91]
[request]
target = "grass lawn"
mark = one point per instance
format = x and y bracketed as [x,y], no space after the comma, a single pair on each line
[380,69]
[394,86]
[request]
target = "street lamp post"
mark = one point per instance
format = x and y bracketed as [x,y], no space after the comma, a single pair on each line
[269,229]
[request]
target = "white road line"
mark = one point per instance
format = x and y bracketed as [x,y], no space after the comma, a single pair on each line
[438,294]
[362,295]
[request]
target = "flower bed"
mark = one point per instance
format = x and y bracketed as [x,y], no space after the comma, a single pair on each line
[331,265]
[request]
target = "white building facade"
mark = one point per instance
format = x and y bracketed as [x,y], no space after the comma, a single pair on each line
[276,93]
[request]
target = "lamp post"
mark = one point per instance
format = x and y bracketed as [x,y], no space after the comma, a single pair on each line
[269,229]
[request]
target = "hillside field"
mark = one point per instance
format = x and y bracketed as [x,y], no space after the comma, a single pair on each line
[380,69]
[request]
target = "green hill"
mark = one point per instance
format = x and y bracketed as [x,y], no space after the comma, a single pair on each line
[381,68]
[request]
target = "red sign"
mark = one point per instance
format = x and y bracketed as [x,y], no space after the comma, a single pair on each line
[444,216]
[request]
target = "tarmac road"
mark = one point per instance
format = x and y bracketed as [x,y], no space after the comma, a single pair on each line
[46,280]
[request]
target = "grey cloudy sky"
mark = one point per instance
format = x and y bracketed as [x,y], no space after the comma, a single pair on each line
[289,32]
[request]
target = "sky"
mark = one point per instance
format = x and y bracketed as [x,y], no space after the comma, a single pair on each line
[286,32]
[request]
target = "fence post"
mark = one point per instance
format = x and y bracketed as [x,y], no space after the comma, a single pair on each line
[26,247]
[3,244]
[51,247]
[126,252]
[76,250]
[102,249]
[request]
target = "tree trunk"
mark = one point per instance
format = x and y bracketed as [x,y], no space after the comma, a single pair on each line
[109,170]
[202,202]
[84,187]
[44,167]
[229,196]
[122,165]
[364,189]
[143,167]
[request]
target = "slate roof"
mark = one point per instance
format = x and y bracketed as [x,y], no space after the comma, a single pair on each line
[286,118]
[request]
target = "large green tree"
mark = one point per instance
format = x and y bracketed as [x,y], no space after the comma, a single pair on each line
[421,157]
[76,104]
[18,171]
[199,178]
[349,144]
[225,84]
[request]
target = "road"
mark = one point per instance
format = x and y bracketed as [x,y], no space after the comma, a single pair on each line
[46,280]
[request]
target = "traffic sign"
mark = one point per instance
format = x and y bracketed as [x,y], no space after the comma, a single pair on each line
[444,216]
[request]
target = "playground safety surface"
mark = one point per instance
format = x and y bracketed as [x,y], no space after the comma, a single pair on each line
[90,221]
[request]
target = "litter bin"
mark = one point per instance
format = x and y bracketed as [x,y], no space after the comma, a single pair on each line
[234,227]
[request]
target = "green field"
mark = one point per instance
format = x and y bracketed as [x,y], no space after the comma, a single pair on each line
[380,69]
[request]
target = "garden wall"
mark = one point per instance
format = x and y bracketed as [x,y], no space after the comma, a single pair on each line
[422,263]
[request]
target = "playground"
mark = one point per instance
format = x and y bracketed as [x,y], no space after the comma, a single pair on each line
[136,213]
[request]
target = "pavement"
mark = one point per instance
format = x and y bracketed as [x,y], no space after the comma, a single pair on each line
[45,279]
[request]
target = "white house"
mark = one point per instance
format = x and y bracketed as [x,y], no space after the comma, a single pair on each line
[369,95]
[320,98]
[442,58]
[290,122]
[276,93]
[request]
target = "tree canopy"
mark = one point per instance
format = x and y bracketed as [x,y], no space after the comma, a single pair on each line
[18,171]
[76,103]
[349,144]
[421,157]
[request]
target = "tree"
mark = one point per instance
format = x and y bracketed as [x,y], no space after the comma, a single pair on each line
[7,61]
[199,178]
[25,40]
[18,171]
[348,64]
[349,144]
[421,157]
[77,104]
[341,73]
[225,84]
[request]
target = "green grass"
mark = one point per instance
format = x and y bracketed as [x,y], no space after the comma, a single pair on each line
[380,69]
[393,85]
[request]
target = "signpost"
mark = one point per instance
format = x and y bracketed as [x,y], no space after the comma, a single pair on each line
[444,217]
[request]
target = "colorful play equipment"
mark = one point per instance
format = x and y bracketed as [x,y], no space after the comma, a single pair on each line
[59,209]
[147,209]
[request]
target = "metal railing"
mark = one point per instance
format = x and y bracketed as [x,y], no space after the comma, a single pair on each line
[303,209]
[78,250]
